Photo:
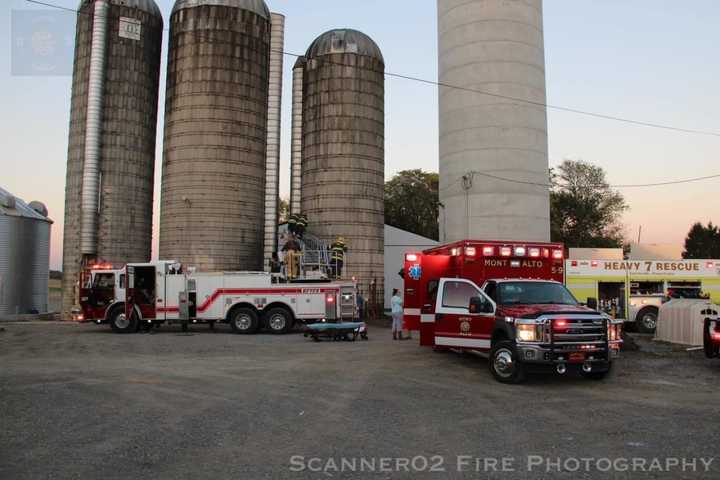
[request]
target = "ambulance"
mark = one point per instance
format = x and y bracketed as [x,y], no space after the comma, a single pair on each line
[633,290]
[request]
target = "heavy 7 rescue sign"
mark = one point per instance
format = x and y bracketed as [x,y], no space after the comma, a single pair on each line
[667,268]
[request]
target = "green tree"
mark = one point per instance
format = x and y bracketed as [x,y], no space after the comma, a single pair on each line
[584,210]
[283,210]
[702,241]
[412,204]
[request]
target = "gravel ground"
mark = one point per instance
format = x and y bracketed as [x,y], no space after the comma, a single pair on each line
[79,402]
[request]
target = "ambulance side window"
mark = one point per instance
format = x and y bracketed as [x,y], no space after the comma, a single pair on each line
[491,290]
[458,294]
[432,289]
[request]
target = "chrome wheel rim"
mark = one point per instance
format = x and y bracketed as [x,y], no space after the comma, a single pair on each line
[277,321]
[121,321]
[503,363]
[243,322]
[649,321]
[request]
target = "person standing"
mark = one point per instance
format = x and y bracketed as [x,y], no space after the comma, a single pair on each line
[396,305]
[338,249]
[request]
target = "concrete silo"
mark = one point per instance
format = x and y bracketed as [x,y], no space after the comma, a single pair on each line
[343,151]
[296,142]
[493,46]
[111,152]
[214,158]
[24,256]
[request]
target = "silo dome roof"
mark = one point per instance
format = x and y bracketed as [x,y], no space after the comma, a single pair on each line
[148,6]
[344,40]
[256,6]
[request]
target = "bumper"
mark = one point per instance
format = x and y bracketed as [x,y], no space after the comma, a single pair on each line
[544,354]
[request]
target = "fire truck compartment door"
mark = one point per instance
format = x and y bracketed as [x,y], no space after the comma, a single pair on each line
[455,326]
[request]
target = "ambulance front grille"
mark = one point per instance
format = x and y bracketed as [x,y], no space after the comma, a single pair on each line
[584,330]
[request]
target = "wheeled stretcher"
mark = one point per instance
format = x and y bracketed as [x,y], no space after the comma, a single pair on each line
[347,331]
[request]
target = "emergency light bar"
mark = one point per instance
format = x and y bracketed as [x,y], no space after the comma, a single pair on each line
[505,251]
[558,254]
[411,257]
[488,251]
[520,251]
[534,252]
[470,251]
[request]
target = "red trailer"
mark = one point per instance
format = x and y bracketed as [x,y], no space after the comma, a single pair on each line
[506,301]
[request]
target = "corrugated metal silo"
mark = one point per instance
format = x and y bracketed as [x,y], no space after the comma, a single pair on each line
[24,256]
[296,142]
[111,152]
[343,161]
[495,46]
[213,180]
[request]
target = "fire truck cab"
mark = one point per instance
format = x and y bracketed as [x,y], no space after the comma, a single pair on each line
[149,294]
[506,301]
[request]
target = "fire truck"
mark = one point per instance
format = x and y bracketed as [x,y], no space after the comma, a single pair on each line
[165,292]
[506,301]
[634,290]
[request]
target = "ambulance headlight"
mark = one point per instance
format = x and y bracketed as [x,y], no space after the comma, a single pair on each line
[526,332]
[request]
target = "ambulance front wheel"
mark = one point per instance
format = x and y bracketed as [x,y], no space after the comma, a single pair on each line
[244,321]
[504,364]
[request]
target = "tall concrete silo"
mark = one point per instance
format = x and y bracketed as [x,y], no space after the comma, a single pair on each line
[214,158]
[111,152]
[24,256]
[343,150]
[296,142]
[493,46]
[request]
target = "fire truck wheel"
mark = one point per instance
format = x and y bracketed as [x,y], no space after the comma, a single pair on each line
[244,321]
[120,323]
[278,321]
[504,365]
[646,320]
[597,374]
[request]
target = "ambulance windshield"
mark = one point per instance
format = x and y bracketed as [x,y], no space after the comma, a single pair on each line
[534,293]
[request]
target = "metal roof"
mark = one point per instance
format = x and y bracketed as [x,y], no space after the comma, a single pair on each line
[256,6]
[344,40]
[145,5]
[12,206]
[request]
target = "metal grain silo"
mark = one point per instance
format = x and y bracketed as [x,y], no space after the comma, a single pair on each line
[343,151]
[111,152]
[214,158]
[24,256]
[493,46]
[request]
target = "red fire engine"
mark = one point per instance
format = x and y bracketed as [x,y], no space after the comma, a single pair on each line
[148,294]
[506,301]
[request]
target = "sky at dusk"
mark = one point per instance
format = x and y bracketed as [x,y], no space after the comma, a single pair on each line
[649,60]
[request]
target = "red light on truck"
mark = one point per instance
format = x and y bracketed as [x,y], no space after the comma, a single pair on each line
[716,336]
[330,299]
[505,251]
[560,324]
[411,257]
[520,251]
[710,265]
[470,251]
[534,252]
[488,251]
[558,254]
[594,263]
[546,252]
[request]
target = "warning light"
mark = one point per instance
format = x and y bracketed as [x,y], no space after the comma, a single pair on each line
[558,254]
[546,252]
[330,299]
[520,251]
[411,257]
[488,251]
[574,263]
[594,263]
[710,265]
[505,251]
[470,251]
[534,252]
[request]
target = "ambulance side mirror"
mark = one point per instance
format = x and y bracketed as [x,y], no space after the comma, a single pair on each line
[480,305]
[592,303]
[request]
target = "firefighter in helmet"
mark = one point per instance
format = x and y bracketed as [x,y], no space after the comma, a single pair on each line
[301,225]
[338,250]
[292,223]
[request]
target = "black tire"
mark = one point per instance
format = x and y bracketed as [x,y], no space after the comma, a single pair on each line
[120,323]
[504,364]
[244,321]
[598,375]
[646,320]
[278,321]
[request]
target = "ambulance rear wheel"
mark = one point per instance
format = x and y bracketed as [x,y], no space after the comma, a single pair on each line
[278,321]
[120,323]
[504,364]
[244,321]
